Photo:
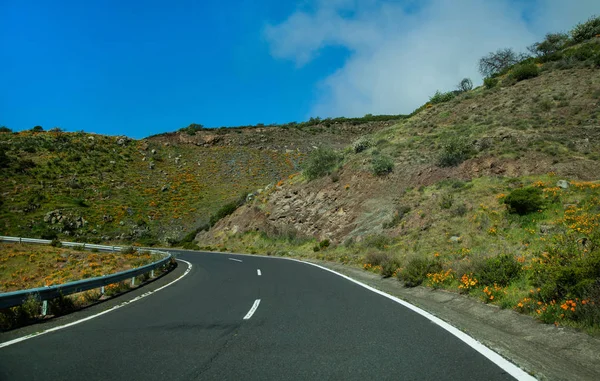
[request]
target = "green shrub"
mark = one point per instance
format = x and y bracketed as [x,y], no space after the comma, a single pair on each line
[552,44]
[324,244]
[525,71]
[389,267]
[465,85]
[500,270]
[48,234]
[5,129]
[454,151]
[378,241]
[361,144]
[61,305]
[320,162]
[586,30]
[440,97]
[490,83]
[563,272]
[192,129]
[446,201]
[37,129]
[24,314]
[524,200]
[190,246]
[381,165]
[416,270]
[128,250]
[398,215]
[377,258]
[55,242]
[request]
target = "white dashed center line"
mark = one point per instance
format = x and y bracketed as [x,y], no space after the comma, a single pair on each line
[252,310]
[258,272]
[233,259]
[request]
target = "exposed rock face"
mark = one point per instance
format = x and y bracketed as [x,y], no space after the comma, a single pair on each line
[280,139]
[64,222]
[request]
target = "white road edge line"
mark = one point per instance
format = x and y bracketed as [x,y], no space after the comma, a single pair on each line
[494,357]
[488,353]
[18,340]
[237,260]
[258,272]
[252,309]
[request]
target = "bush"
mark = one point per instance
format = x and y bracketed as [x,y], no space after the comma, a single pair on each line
[37,129]
[361,144]
[446,201]
[55,242]
[440,97]
[563,272]
[377,258]
[192,129]
[465,85]
[128,250]
[324,244]
[552,44]
[5,129]
[524,200]
[378,241]
[526,71]
[416,270]
[585,31]
[399,214]
[61,305]
[497,62]
[382,165]
[490,83]
[320,162]
[500,270]
[190,246]
[389,267]
[454,151]
[24,314]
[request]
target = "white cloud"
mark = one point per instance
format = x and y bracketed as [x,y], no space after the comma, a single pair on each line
[399,58]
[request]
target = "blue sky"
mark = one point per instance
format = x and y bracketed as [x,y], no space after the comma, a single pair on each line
[144,67]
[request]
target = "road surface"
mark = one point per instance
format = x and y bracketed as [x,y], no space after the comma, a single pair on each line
[239,317]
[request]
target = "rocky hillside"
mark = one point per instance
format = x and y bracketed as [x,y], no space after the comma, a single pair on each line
[492,192]
[548,124]
[104,188]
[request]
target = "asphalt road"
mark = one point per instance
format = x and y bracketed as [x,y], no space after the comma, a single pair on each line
[309,325]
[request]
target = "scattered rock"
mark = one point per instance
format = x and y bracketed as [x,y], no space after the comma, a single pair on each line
[564,184]
[122,140]
[153,152]
[164,188]
[455,239]
[151,165]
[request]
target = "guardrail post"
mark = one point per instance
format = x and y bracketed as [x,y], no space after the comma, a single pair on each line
[44,307]
[132,281]
[152,273]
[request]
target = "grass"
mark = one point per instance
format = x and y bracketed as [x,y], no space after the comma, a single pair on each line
[24,266]
[112,187]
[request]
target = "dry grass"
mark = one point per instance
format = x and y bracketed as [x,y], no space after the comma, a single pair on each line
[24,266]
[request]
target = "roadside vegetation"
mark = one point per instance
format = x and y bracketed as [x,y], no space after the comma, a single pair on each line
[25,266]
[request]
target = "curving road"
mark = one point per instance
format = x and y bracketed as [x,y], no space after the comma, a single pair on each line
[251,318]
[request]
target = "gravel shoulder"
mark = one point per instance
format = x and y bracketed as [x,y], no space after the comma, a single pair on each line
[545,351]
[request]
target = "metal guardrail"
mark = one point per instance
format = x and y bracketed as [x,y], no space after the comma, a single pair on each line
[15,298]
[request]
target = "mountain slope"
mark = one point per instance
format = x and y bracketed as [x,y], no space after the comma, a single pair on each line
[103,188]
